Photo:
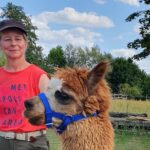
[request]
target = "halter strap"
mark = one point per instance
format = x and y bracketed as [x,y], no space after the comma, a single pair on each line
[66,119]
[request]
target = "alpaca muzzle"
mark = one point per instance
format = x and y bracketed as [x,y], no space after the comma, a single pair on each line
[63,119]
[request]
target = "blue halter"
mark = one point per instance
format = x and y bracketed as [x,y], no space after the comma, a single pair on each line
[66,120]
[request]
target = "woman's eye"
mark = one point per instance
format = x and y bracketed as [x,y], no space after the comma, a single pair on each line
[18,39]
[7,39]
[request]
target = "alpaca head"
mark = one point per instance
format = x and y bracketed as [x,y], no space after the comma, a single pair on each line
[71,91]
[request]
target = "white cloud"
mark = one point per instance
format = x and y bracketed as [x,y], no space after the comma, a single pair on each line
[77,36]
[72,17]
[123,52]
[1,11]
[100,1]
[144,65]
[130,2]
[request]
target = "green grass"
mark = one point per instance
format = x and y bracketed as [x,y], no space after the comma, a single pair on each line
[54,141]
[124,140]
[127,140]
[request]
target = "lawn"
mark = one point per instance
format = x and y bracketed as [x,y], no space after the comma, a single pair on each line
[127,140]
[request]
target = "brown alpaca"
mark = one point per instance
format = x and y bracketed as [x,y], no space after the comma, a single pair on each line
[78,91]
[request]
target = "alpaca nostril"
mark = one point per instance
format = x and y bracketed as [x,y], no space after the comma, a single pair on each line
[28,104]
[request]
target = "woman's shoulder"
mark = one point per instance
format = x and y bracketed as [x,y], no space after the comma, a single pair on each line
[36,71]
[36,68]
[1,68]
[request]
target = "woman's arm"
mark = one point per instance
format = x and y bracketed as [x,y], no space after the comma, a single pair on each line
[43,82]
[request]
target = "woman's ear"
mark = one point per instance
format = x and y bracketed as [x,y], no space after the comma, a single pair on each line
[26,40]
[26,43]
[0,45]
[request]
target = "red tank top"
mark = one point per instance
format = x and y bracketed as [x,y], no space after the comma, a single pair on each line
[15,88]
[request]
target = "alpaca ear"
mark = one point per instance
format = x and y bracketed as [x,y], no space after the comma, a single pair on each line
[95,75]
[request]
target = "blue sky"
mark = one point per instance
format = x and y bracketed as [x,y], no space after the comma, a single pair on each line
[85,23]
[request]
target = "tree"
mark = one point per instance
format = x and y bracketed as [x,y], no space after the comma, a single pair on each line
[71,55]
[94,56]
[34,52]
[56,57]
[124,71]
[145,86]
[131,91]
[84,57]
[144,31]
[2,59]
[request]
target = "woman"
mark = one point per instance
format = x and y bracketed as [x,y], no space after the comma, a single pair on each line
[19,80]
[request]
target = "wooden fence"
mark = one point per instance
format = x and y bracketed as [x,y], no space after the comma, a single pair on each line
[122,96]
[130,121]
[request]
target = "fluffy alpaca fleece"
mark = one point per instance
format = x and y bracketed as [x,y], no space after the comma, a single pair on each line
[74,91]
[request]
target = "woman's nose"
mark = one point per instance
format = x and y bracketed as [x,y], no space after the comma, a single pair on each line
[13,42]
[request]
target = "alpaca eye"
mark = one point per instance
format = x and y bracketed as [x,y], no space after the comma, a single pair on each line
[62,97]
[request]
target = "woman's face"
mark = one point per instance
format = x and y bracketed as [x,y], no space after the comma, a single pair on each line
[13,44]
